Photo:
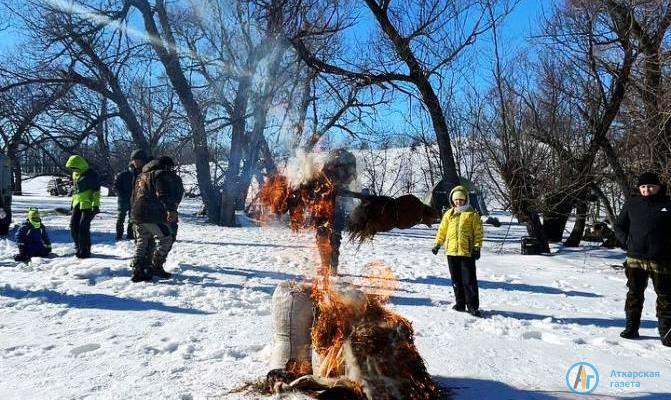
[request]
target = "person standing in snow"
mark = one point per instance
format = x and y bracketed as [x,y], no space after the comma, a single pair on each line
[123,183]
[644,228]
[85,203]
[153,209]
[340,169]
[461,232]
[32,238]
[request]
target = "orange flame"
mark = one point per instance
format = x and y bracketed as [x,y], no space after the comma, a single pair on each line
[310,205]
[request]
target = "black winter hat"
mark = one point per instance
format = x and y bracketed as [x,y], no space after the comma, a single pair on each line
[648,178]
[166,162]
[139,154]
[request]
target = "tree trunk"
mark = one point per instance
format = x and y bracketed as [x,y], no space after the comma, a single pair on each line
[535,229]
[554,220]
[579,228]
[107,172]
[429,97]
[16,173]
[610,214]
[170,60]
[230,193]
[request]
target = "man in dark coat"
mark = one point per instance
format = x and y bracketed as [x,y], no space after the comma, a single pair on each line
[644,227]
[153,209]
[85,203]
[123,183]
[32,238]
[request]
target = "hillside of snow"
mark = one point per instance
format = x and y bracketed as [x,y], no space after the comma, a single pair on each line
[79,329]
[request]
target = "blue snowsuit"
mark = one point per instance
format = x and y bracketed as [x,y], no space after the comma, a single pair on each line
[33,242]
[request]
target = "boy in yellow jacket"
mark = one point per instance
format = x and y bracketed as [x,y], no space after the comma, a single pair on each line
[461,232]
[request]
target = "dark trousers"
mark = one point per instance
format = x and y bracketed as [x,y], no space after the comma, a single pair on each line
[120,220]
[464,281]
[80,228]
[637,282]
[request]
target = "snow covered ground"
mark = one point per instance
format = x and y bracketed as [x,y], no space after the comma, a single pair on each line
[76,329]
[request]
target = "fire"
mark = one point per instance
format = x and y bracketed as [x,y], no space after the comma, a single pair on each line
[370,345]
[363,346]
[310,205]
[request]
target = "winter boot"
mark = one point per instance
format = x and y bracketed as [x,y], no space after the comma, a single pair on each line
[666,339]
[631,326]
[21,257]
[474,312]
[664,328]
[157,266]
[141,273]
[459,307]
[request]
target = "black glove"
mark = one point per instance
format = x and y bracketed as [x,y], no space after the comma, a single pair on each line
[435,249]
[475,253]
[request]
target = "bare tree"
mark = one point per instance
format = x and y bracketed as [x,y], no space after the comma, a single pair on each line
[422,38]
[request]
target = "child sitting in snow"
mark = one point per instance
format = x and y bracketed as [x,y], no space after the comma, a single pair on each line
[32,238]
[461,228]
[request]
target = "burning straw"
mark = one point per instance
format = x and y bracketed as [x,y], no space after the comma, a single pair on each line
[367,344]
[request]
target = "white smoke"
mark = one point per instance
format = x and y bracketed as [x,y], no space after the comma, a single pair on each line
[302,168]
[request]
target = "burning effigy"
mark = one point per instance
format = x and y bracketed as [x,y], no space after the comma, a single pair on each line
[357,348]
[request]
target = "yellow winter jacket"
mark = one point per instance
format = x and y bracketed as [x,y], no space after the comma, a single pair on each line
[462,231]
[86,182]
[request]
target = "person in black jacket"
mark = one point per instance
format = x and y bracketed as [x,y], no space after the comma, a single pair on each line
[644,228]
[123,183]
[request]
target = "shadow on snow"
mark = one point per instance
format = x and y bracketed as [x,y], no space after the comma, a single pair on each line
[523,287]
[471,388]
[95,301]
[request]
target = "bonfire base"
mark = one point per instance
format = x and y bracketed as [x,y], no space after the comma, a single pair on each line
[282,381]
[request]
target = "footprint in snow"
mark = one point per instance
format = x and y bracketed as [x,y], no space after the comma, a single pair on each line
[84,349]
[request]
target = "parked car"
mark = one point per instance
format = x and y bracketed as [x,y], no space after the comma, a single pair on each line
[59,187]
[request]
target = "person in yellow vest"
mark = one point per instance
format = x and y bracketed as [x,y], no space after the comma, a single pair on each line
[461,232]
[85,203]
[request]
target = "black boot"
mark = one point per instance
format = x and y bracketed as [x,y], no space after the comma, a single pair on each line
[664,327]
[631,326]
[21,257]
[474,312]
[157,266]
[459,307]
[141,273]
[666,339]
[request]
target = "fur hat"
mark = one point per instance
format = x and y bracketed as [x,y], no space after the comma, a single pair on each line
[648,178]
